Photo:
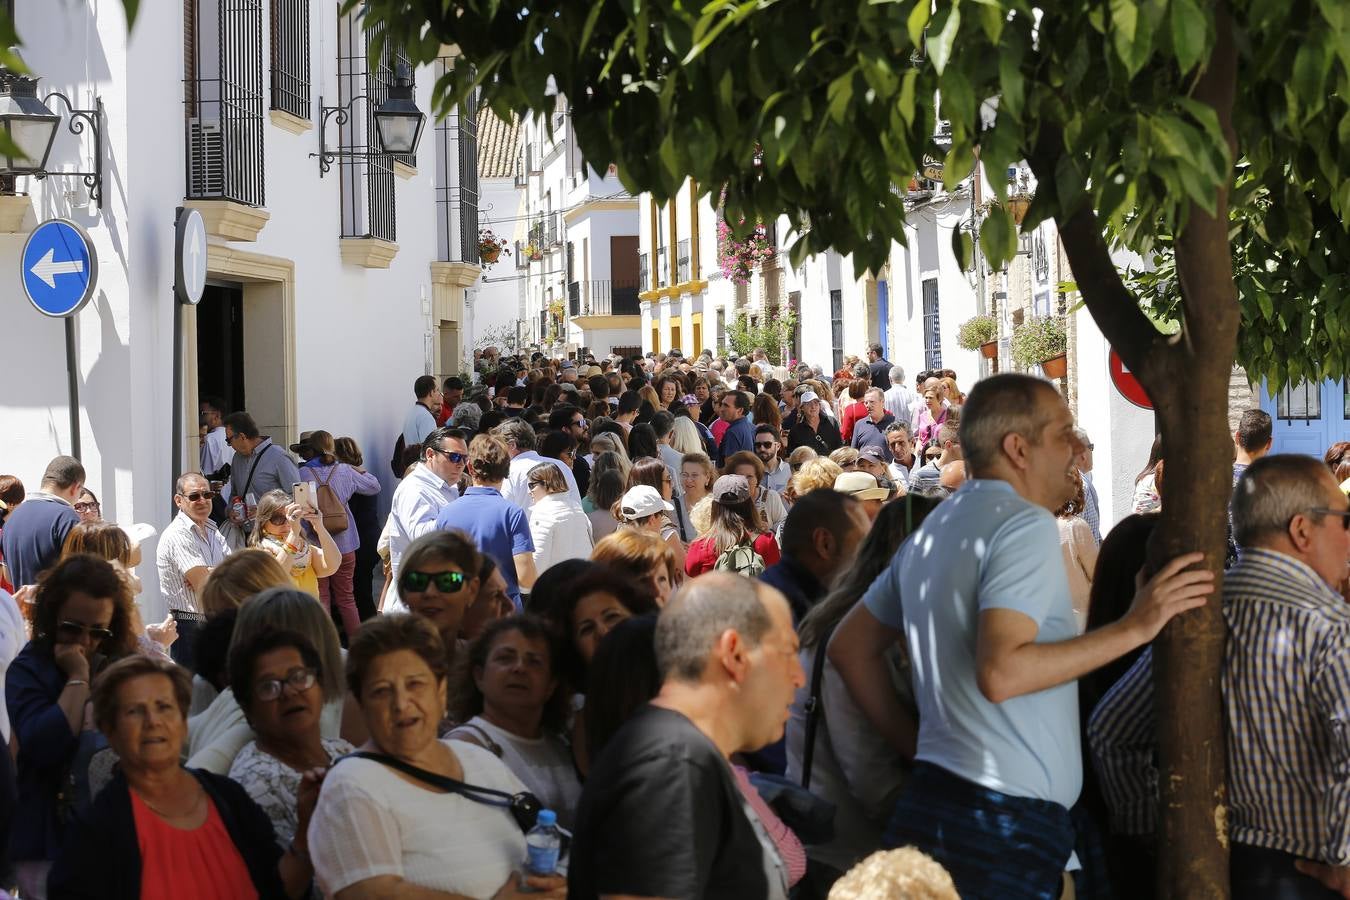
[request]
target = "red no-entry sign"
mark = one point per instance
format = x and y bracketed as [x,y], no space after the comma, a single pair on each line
[1126,383]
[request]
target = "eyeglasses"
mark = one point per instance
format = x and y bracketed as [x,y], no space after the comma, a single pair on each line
[446,582]
[195,496]
[75,630]
[297,680]
[764,445]
[278,518]
[86,507]
[452,455]
[534,484]
[1343,514]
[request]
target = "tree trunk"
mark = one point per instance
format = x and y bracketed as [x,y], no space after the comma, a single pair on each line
[1186,376]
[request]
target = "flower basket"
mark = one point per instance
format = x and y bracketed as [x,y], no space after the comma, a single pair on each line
[977,331]
[1039,340]
[1056,366]
[490,247]
[533,253]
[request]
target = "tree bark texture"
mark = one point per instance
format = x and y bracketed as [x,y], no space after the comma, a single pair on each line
[1186,375]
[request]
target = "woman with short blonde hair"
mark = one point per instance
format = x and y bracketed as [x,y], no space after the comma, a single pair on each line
[241,575]
[644,556]
[814,475]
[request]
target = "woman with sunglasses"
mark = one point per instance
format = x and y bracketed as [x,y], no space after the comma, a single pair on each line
[381,828]
[278,532]
[81,620]
[512,703]
[88,507]
[440,582]
[560,529]
[275,677]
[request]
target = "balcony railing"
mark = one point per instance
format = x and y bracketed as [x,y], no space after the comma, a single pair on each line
[682,262]
[603,297]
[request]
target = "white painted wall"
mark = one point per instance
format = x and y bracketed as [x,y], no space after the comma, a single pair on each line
[360,334]
[496,298]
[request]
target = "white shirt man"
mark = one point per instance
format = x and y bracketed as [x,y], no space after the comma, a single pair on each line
[425,490]
[899,400]
[190,546]
[519,437]
[215,451]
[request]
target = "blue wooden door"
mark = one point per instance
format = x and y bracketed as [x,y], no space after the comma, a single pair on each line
[1309,418]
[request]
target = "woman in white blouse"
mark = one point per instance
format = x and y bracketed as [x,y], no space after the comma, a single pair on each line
[560,529]
[380,829]
[510,703]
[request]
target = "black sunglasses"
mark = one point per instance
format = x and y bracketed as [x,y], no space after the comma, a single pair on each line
[453,455]
[198,495]
[764,445]
[76,630]
[446,582]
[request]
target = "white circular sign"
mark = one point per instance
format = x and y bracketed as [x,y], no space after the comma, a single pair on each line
[190,255]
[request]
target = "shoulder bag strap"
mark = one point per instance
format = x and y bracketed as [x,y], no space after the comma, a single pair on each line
[813,710]
[248,482]
[489,796]
[492,746]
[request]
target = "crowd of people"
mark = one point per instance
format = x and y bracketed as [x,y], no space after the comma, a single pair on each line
[745,630]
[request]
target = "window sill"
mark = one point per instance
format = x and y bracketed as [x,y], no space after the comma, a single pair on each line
[289,121]
[13,210]
[404,171]
[230,220]
[457,274]
[369,253]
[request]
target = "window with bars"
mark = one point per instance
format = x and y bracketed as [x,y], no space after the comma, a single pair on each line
[682,262]
[290,57]
[223,94]
[644,274]
[1302,401]
[457,180]
[367,181]
[932,325]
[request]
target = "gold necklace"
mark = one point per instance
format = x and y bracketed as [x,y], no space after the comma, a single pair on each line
[201,794]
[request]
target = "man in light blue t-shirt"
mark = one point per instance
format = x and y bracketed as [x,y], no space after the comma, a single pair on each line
[995,652]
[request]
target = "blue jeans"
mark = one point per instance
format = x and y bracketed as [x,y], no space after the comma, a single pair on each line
[1259,873]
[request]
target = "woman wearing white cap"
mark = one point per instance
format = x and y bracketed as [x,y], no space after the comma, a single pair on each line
[736,527]
[642,507]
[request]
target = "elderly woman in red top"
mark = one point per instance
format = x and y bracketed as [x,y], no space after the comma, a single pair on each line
[159,830]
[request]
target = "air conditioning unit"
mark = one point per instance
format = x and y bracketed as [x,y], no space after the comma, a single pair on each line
[205,158]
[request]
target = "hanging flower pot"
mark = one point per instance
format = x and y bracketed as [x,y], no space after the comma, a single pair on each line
[989,349]
[490,247]
[1038,341]
[1055,367]
[490,256]
[979,332]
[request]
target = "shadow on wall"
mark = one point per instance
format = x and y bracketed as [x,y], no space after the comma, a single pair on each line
[108,415]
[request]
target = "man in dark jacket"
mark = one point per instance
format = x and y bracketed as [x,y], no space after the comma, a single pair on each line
[879,368]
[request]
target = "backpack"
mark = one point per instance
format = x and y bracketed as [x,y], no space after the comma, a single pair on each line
[330,505]
[743,559]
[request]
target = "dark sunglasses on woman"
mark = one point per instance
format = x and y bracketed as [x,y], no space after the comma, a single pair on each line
[446,582]
[74,631]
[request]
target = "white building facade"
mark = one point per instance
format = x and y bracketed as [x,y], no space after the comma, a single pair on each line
[333,281]
[580,246]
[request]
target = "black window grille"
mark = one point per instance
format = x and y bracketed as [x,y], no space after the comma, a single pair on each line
[662,270]
[837,328]
[290,57]
[932,325]
[457,180]
[682,262]
[223,94]
[1299,402]
[644,274]
[367,181]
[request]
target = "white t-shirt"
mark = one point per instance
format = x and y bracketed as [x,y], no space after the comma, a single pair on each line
[370,822]
[544,764]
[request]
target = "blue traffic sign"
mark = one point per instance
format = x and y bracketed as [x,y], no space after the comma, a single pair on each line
[59,268]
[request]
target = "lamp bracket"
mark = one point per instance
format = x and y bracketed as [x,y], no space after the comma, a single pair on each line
[79,119]
[341,115]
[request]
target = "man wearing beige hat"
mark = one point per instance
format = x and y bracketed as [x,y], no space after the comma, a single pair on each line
[865,489]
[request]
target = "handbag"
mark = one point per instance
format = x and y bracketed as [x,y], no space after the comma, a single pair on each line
[524,807]
[330,505]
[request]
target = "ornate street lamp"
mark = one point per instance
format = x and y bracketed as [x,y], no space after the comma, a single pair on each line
[398,120]
[28,123]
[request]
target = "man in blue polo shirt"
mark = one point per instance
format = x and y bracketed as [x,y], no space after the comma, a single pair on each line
[500,528]
[37,529]
[995,652]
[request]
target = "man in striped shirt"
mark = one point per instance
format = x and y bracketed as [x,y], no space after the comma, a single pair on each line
[1286,687]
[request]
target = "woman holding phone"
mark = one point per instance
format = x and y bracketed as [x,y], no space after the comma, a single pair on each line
[279,532]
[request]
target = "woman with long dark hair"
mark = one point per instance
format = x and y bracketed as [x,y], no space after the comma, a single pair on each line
[735,524]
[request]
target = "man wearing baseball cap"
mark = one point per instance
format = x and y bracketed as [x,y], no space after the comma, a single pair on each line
[865,489]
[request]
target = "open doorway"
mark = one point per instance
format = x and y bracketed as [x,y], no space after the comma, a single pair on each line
[220,345]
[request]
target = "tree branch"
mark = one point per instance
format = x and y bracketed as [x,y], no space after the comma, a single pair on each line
[1115,310]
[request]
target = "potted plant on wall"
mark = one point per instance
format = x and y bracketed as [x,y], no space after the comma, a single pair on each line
[490,247]
[1041,340]
[979,333]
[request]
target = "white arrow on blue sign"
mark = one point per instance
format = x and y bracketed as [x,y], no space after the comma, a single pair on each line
[59,268]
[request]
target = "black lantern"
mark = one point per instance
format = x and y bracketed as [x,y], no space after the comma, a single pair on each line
[28,123]
[397,119]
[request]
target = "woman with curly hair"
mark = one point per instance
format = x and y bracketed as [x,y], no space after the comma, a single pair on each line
[512,703]
[82,620]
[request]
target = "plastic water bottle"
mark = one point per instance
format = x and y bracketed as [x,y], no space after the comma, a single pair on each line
[543,844]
